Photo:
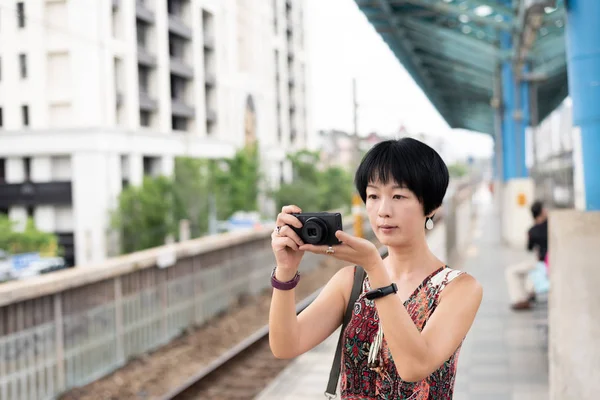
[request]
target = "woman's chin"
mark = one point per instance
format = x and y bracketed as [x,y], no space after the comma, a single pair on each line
[386,240]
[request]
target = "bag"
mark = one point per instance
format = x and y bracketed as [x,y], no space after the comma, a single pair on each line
[539,278]
[334,375]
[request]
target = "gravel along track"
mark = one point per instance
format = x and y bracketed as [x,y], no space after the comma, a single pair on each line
[243,378]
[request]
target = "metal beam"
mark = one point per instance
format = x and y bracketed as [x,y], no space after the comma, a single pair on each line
[452,67]
[430,44]
[428,28]
[439,75]
[411,63]
[455,90]
[550,67]
[494,5]
[450,9]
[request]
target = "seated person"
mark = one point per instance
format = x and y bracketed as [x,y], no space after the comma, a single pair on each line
[520,288]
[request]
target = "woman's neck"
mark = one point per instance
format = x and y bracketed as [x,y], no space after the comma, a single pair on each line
[413,259]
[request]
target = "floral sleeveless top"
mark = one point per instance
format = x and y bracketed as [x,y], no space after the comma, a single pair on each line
[360,382]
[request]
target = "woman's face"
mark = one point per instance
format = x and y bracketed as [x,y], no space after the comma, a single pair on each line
[395,213]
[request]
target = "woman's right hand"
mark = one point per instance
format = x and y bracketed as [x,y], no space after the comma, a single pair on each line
[285,242]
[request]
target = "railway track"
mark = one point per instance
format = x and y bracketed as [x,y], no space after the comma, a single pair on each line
[242,372]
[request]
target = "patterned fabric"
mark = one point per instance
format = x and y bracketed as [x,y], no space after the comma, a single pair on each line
[360,382]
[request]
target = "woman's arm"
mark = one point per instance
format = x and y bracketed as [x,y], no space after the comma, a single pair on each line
[291,335]
[417,354]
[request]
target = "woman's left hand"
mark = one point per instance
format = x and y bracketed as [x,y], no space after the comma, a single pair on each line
[355,250]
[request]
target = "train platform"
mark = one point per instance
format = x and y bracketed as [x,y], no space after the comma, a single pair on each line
[504,356]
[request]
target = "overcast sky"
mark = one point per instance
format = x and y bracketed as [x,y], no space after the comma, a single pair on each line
[342,45]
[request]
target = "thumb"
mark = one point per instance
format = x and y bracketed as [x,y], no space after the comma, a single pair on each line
[345,237]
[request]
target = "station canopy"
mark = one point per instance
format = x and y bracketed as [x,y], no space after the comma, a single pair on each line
[453,49]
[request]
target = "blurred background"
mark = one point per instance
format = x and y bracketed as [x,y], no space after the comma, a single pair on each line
[146,147]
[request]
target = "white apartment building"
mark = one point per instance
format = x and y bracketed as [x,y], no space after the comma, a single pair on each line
[94,95]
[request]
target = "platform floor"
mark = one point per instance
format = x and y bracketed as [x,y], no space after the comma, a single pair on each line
[503,357]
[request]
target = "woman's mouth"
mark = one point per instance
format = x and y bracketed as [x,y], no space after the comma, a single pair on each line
[387,228]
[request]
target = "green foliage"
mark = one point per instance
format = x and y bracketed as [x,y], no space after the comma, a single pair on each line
[458,170]
[313,189]
[236,182]
[146,215]
[29,240]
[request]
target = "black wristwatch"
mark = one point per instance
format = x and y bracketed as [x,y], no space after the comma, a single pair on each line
[384,291]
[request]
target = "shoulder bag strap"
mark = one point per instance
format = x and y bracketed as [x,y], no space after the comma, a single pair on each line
[334,375]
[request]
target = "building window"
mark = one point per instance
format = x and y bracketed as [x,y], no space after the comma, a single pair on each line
[1,118]
[23,65]
[25,114]
[175,7]
[145,118]
[27,168]
[2,170]
[143,81]
[21,14]
[179,123]
[178,86]
[142,30]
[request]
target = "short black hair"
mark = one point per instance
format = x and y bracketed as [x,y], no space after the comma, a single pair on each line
[408,162]
[536,209]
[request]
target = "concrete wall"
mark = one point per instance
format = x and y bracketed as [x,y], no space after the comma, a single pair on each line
[574,305]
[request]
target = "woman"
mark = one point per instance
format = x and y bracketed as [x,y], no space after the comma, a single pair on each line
[403,345]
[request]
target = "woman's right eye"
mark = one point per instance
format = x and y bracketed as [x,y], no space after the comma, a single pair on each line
[372,196]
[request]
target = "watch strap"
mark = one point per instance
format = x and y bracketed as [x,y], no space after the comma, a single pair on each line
[381,292]
[289,285]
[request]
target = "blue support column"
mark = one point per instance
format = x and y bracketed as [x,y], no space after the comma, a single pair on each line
[513,129]
[525,121]
[509,169]
[583,65]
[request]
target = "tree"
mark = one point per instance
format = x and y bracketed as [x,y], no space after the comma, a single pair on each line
[144,217]
[192,187]
[313,189]
[29,240]
[457,170]
[236,182]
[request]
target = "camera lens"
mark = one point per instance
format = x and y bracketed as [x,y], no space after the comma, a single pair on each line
[314,230]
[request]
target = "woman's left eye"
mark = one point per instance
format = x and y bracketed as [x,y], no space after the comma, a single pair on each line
[399,196]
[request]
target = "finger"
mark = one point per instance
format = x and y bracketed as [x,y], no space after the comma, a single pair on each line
[289,232]
[281,243]
[288,219]
[323,249]
[290,209]
[345,237]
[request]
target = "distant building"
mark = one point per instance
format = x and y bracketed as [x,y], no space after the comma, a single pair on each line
[95,95]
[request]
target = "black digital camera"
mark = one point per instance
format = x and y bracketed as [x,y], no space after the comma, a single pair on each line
[319,228]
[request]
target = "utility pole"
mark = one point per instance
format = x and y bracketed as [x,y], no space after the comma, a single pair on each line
[356,200]
[355,117]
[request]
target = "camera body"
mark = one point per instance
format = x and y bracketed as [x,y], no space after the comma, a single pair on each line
[319,228]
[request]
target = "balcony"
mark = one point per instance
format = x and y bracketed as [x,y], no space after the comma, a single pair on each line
[147,103]
[178,27]
[180,109]
[145,57]
[180,68]
[209,42]
[115,4]
[34,194]
[143,13]
[291,82]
